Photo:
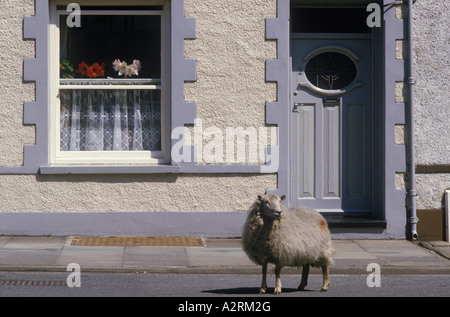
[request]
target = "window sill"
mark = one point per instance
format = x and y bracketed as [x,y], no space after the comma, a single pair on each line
[112,169]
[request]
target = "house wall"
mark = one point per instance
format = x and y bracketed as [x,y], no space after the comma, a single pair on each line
[222,100]
[431,63]
[231,50]
[13,91]
[432,112]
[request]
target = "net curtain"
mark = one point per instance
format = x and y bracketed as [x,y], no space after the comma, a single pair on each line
[110,120]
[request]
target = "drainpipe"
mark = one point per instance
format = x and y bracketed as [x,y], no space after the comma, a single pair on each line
[412,193]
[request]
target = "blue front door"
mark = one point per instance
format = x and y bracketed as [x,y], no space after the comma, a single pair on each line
[331,122]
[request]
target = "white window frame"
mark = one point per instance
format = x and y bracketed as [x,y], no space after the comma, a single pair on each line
[64,158]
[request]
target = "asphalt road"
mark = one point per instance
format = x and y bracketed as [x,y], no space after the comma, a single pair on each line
[47,284]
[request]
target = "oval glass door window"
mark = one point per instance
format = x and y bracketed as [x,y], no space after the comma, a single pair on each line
[330,71]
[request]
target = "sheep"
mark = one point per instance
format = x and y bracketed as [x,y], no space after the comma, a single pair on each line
[287,237]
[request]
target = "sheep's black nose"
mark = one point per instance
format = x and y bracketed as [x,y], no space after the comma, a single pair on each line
[277,213]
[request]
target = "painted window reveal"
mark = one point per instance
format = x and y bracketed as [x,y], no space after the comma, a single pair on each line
[110,82]
[330,71]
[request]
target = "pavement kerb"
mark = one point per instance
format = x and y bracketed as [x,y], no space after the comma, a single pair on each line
[439,247]
[432,262]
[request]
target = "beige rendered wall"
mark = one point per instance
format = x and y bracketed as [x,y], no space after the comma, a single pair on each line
[432,111]
[13,91]
[432,107]
[230,92]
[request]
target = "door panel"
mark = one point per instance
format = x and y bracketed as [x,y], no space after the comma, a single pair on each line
[305,148]
[331,152]
[354,151]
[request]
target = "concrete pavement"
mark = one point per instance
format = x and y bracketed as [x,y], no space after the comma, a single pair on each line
[213,256]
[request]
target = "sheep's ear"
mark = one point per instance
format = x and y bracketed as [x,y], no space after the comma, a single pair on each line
[283,197]
[259,197]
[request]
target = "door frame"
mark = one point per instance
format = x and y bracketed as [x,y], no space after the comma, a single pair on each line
[389,159]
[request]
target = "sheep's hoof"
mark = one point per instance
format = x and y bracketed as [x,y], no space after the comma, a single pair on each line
[325,287]
[262,291]
[277,291]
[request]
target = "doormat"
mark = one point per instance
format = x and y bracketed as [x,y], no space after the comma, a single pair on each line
[138,241]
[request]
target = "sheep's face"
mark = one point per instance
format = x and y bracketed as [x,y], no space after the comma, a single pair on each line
[270,205]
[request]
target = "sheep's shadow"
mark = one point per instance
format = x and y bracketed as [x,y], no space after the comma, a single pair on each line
[250,291]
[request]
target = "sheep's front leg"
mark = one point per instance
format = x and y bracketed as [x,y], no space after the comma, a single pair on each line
[305,273]
[326,278]
[263,288]
[278,280]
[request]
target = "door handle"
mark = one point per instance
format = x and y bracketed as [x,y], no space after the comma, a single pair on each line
[296,105]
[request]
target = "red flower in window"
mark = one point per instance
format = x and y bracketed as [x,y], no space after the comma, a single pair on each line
[96,70]
[93,71]
[82,69]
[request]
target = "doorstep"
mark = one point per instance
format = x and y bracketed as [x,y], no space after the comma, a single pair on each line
[354,220]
